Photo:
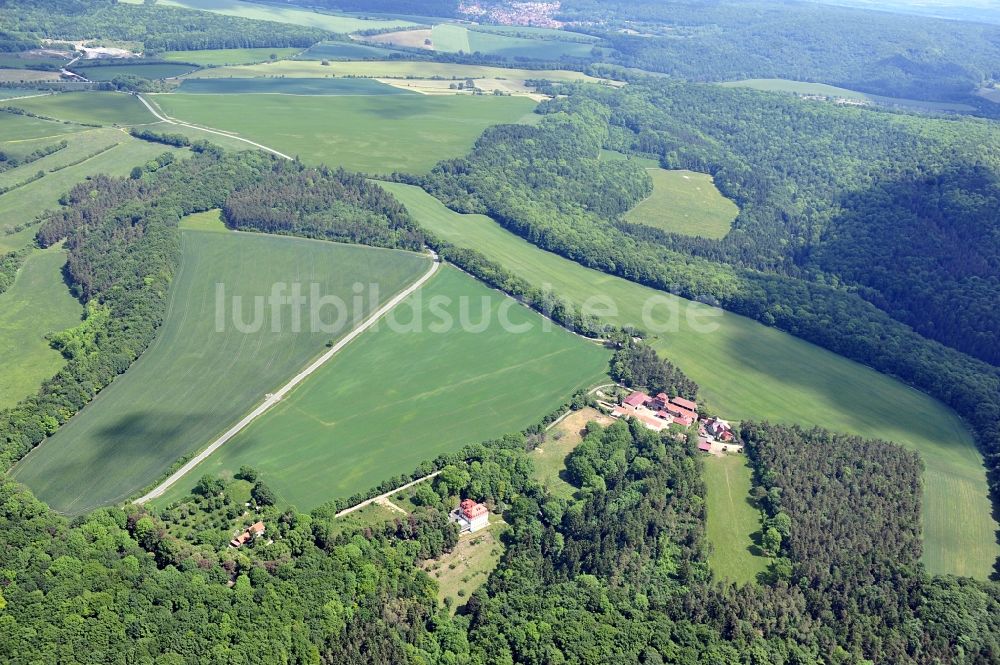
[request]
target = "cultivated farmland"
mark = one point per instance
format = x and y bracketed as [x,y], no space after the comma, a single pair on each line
[732,520]
[39,302]
[24,128]
[749,371]
[343,51]
[158,70]
[99,108]
[230,56]
[394,398]
[289,86]
[685,202]
[193,382]
[373,134]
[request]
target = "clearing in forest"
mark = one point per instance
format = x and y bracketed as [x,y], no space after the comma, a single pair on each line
[549,459]
[732,521]
[194,382]
[685,202]
[749,371]
[824,90]
[372,134]
[37,303]
[399,396]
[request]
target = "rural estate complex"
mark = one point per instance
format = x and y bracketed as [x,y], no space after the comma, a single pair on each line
[454,332]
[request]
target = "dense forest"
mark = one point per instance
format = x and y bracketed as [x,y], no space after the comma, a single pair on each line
[24,22]
[881,53]
[537,181]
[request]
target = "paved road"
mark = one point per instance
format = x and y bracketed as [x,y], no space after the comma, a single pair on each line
[171,121]
[296,380]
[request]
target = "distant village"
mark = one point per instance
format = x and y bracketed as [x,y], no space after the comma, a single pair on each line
[715,435]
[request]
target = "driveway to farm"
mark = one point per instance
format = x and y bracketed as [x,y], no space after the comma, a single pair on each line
[171,121]
[274,398]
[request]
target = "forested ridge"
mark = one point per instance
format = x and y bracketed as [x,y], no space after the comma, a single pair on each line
[24,22]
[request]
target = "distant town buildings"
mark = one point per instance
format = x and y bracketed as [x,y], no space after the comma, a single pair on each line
[255,530]
[507,12]
[471,516]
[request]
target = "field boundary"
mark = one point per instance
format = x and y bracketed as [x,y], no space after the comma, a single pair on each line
[276,397]
[385,495]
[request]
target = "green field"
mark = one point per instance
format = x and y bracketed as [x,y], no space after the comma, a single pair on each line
[732,520]
[100,108]
[289,86]
[450,38]
[22,128]
[194,382]
[343,51]
[230,56]
[17,75]
[374,134]
[39,302]
[685,202]
[156,70]
[24,204]
[395,398]
[388,69]
[210,220]
[822,89]
[749,371]
[342,23]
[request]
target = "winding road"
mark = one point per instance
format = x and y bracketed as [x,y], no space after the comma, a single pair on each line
[274,398]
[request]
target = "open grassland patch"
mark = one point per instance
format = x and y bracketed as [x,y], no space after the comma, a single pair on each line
[194,382]
[230,56]
[15,127]
[685,202]
[451,38]
[421,38]
[393,398]
[824,90]
[749,371]
[373,134]
[26,75]
[390,69]
[157,70]
[13,93]
[732,520]
[210,220]
[37,303]
[97,108]
[343,51]
[549,459]
[288,86]
[334,22]
[460,572]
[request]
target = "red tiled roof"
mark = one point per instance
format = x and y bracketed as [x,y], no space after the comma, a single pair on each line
[685,403]
[704,445]
[636,399]
[686,422]
[681,411]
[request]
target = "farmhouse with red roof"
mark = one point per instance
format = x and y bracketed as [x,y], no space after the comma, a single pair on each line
[255,530]
[471,516]
[657,413]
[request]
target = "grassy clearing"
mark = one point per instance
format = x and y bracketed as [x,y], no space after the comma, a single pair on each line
[463,570]
[373,134]
[749,371]
[158,70]
[550,458]
[24,204]
[26,75]
[685,202]
[193,382]
[334,22]
[290,86]
[230,56]
[100,108]
[343,51]
[210,220]
[395,398]
[821,89]
[39,302]
[732,519]
[389,69]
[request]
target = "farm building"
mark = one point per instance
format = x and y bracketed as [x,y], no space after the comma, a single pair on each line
[255,530]
[719,429]
[657,413]
[471,516]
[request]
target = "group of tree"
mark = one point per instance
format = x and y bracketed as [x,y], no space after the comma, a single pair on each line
[637,365]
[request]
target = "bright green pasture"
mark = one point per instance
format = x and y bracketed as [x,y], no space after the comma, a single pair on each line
[101,108]
[452,38]
[37,303]
[399,395]
[732,520]
[289,86]
[230,56]
[749,371]
[374,134]
[22,128]
[685,202]
[343,51]
[334,22]
[24,204]
[388,69]
[804,88]
[210,220]
[193,381]
[153,70]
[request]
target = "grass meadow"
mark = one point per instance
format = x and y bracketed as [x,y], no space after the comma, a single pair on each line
[549,459]
[749,371]
[732,520]
[805,88]
[100,108]
[17,75]
[194,382]
[230,56]
[25,128]
[685,202]
[152,70]
[289,86]
[37,303]
[373,134]
[393,399]
[343,51]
